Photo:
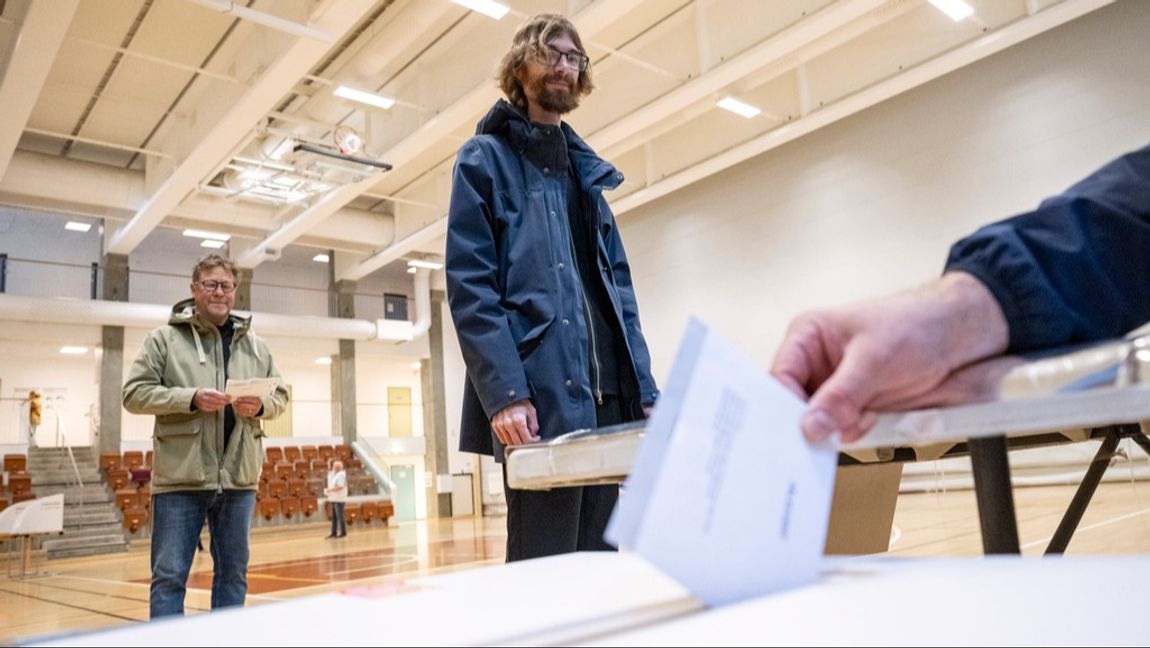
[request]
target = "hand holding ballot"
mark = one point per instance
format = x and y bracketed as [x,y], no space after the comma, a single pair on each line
[725,495]
[256,387]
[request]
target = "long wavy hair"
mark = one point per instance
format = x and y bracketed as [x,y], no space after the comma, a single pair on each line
[531,40]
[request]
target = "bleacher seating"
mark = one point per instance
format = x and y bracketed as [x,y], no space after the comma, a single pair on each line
[309,504]
[290,488]
[15,463]
[269,507]
[109,461]
[135,518]
[19,484]
[127,498]
[289,506]
[118,478]
[133,459]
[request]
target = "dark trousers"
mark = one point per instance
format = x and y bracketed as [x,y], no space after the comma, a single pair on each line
[562,520]
[338,521]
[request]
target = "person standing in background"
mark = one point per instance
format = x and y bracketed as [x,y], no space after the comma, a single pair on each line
[540,288]
[208,447]
[336,492]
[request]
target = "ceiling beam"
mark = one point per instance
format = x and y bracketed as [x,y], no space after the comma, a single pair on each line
[396,250]
[913,77]
[271,246]
[35,47]
[775,48]
[255,103]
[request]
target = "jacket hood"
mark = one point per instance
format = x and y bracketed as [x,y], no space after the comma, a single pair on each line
[184,312]
[540,146]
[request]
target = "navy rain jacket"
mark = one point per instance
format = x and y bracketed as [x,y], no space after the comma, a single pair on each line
[513,284]
[1077,269]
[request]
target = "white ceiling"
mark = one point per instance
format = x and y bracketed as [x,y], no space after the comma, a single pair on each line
[146,112]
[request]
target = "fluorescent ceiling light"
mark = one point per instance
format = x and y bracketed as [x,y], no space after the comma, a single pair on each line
[420,263]
[739,108]
[369,98]
[256,174]
[205,234]
[955,9]
[489,8]
[323,360]
[411,271]
[77,226]
[282,149]
[321,258]
[73,350]
[209,243]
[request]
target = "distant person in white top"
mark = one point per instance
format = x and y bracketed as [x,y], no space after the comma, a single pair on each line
[336,492]
[34,414]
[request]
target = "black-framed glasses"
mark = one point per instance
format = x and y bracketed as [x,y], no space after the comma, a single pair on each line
[211,286]
[574,59]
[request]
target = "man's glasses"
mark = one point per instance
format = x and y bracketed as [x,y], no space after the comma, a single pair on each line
[211,286]
[574,59]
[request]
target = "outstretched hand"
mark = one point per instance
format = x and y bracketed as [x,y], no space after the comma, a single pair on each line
[899,352]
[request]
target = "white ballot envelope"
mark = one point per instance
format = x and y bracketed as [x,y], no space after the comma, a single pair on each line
[258,387]
[726,495]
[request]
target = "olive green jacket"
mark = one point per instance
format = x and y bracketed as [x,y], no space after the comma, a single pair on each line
[174,362]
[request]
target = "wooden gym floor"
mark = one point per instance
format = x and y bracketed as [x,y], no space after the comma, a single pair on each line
[79,594]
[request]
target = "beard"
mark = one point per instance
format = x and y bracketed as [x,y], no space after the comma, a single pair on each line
[559,102]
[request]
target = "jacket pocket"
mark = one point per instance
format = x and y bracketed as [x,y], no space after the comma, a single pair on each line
[250,454]
[533,338]
[178,459]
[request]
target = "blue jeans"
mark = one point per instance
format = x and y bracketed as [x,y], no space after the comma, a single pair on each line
[177,518]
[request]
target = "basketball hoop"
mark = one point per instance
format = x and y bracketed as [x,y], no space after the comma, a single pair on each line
[347,141]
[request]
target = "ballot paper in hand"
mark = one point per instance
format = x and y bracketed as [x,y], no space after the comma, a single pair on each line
[258,387]
[726,496]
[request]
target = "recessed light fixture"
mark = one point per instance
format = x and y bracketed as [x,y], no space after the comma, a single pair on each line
[369,98]
[488,8]
[77,226]
[323,360]
[420,263]
[73,350]
[321,258]
[209,243]
[205,234]
[738,107]
[956,10]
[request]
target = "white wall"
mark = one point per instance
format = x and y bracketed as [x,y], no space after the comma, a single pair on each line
[72,379]
[871,204]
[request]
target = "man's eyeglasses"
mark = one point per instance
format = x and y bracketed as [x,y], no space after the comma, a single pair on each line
[574,59]
[211,286]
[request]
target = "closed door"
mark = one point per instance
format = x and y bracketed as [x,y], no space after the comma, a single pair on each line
[403,496]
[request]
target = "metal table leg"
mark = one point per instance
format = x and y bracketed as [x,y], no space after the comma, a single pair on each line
[994,494]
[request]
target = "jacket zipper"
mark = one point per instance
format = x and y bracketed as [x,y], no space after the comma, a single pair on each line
[595,369]
[221,444]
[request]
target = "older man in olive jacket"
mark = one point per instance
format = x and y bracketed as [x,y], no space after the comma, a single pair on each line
[208,448]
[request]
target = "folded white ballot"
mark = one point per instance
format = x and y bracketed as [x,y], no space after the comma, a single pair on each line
[258,387]
[726,495]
